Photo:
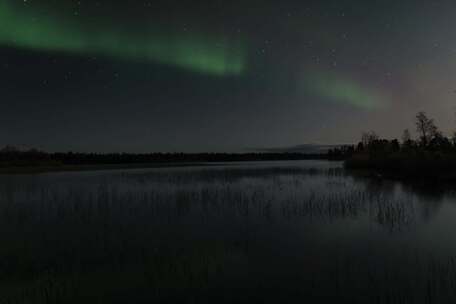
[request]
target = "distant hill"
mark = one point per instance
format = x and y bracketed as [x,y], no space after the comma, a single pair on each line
[303,148]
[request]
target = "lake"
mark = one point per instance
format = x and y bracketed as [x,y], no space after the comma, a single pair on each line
[259,232]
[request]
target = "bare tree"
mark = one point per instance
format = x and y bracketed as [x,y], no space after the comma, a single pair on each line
[453,135]
[406,137]
[453,138]
[426,128]
[367,138]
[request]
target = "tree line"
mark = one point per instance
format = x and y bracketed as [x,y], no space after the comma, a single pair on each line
[11,157]
[429,139]
[429,155]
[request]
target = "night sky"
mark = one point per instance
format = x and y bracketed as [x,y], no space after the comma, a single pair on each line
[147,76]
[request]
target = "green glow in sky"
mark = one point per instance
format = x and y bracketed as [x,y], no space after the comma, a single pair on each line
[345,90]
[23,27]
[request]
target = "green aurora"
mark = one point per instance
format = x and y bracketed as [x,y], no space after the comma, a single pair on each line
[344,90]
[27,28]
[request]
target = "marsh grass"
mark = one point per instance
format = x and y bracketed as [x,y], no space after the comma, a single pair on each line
[193,235]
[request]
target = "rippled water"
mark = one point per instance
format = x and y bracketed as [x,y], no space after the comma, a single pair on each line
[242,232]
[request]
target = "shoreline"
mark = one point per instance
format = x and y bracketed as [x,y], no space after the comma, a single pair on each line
[413,170]
[95,167]
[17,170]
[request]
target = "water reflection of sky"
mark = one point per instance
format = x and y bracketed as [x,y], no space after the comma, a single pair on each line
[287,219]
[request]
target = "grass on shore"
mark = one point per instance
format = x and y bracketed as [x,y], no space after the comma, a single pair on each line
[423,165]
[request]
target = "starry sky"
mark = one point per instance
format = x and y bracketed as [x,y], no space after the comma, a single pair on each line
[193,76]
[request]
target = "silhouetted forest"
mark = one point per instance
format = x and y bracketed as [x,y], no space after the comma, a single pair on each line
[430,154]
[14,157]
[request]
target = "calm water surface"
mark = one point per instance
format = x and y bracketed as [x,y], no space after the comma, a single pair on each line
[242,232]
